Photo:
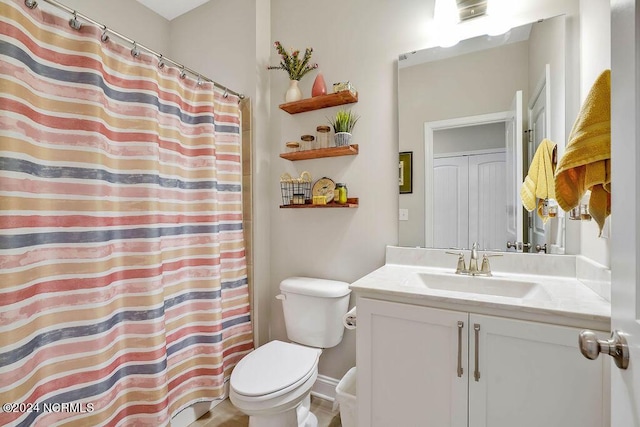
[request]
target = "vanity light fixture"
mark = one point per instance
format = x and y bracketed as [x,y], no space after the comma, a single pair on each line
[449,13]
[469,9]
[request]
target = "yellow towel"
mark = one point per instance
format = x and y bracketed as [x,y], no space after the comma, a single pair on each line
[586,163]
[539,181]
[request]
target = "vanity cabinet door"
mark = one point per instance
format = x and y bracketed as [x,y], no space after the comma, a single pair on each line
[408,360]
[532,375]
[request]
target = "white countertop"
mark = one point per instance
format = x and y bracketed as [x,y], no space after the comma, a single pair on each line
[563,300]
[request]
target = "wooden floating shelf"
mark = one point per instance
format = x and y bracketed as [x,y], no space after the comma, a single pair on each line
[352,202]
[347,150]
[318,102]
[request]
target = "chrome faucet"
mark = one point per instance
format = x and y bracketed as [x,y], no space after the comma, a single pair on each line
[485,269]
[473,260]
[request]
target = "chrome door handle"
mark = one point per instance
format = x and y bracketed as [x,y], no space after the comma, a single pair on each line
[541,248]
[616,346]
[476,372]
[518,246]
[460,326]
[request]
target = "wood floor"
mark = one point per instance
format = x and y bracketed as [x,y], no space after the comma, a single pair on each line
[226,415]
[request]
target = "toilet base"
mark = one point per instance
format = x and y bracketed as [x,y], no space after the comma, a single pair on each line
[301,416]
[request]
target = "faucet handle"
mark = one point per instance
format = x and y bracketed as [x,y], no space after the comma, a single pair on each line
[486,268]
[461,267]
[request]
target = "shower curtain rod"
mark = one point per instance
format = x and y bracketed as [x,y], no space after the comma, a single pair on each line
[32,4]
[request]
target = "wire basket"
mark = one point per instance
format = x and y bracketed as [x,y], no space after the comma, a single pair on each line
[295,191]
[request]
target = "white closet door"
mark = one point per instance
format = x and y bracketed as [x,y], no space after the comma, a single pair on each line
[450,202]
[487,200]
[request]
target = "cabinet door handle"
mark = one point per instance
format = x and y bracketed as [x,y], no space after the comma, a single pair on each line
[460,326]
[476,372]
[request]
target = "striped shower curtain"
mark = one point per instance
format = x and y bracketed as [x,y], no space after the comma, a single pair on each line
[123,287]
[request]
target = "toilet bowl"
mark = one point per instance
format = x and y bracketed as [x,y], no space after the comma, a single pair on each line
[272,384]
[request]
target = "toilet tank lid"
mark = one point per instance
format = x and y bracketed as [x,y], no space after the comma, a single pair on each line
[315,287]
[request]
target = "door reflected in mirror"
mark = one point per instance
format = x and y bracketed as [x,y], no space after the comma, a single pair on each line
[473,115]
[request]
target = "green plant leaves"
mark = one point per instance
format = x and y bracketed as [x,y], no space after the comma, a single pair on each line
[343,121]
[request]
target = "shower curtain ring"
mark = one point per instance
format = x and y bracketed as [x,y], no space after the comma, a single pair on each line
[74,23]
[160,62]
[199,80]
[226,93]
[183,73]
[135,52]
[31,4]
[105,36]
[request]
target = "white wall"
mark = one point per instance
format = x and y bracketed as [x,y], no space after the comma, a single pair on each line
[469,138]
[128,17]
[358,41]
[545,49]
[595,57]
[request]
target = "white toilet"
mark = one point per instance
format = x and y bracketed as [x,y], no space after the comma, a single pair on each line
[272,384]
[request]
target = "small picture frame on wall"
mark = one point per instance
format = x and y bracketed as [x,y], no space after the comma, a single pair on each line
[405,172]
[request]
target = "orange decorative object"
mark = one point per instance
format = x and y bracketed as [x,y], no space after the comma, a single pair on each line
[319,86]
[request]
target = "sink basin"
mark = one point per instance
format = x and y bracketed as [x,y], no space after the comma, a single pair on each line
[497,286]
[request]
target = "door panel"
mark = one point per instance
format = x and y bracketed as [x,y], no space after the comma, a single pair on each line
[451,202]
[532,375]
[539,129]
[407,359]
[469,201]
[514,170]
[487,216]
[625,236]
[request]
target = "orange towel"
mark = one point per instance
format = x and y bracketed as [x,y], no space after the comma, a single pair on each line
[586,163]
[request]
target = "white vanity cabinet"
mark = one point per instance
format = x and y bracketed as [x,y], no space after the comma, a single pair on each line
[417,366]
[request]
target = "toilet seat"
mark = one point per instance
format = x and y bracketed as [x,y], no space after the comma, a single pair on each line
[273,369]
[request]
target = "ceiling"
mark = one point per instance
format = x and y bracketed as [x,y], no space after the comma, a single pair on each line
[171,9]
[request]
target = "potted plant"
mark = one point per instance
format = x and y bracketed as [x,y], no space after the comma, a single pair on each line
[343,124]
[296,67]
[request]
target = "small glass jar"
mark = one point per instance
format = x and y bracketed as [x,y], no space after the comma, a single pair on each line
[307,141]
[341,189]
[322,136]
[292,146]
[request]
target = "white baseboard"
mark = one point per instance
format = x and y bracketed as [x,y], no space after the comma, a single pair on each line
[325,388]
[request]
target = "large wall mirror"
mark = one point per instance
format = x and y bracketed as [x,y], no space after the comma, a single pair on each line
[472,116]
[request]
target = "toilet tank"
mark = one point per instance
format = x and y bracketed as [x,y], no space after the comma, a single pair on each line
[313,310]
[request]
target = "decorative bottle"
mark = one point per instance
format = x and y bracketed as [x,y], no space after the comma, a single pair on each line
[319,86]
[342,193]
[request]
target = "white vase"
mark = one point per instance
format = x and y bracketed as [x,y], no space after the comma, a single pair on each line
[293,93]
[342,139]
